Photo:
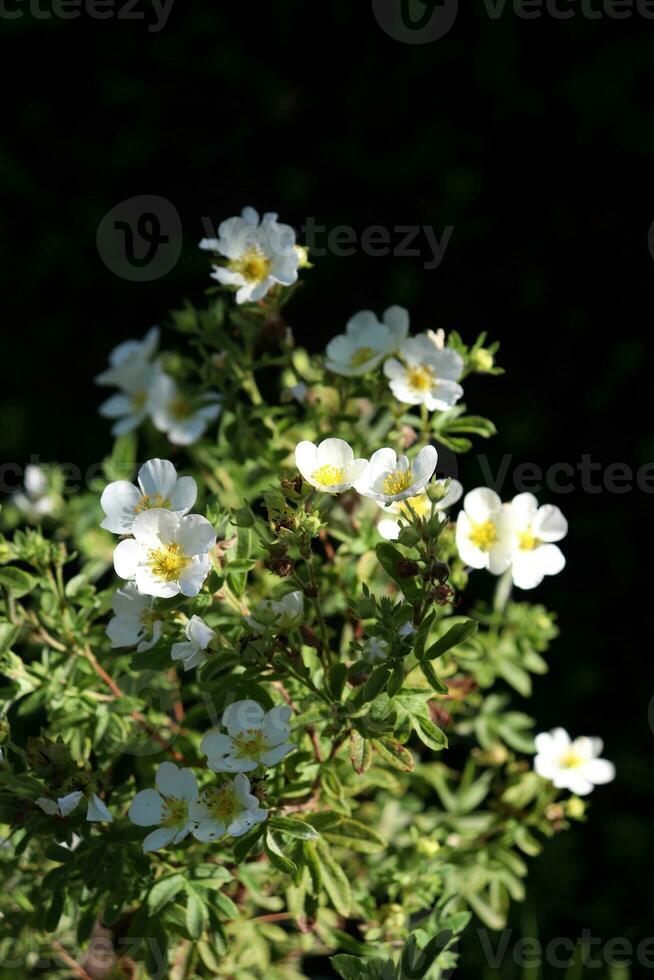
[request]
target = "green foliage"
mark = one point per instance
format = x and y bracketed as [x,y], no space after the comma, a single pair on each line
[407,803]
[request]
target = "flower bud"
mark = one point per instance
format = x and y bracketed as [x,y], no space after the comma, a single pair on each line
[482,361]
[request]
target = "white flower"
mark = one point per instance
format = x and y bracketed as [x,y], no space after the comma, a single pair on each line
[533,531]
[366,341]
[575,766]
[134,621]
[390,478]
[183,419]
[166,807]
[253,738]
[281,615]
[34,501]
[199,636]
[63,806]
[158,486]
[329,466]
[230,809]
[428,376]
[133,371]
[389,527]
[168,554]
[260,254]
[375,650]
[483,536]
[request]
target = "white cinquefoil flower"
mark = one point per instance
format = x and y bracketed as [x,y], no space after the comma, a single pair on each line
[389,527]
[483,536]
[183,419]
[192,653]
[375,650]
[158,486]
[573,765]
[254,738]
[330,466]
[131,369]
[34,501]
[168,554]
[63,806]
[426,374]
[533,530]
[166,807]
[280,615]
[134,621]
[366,341]
[390,478]
[228,809]
[260,254]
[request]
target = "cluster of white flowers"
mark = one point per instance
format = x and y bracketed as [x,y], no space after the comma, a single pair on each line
[255,739]
[167,554]
[572,765]
[146,391]
[424,372]
[519,535]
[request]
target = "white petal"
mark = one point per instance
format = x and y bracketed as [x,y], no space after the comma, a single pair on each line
[276,754]
[599,771]
[550,524]
[242,715]
[179,783]
[147,808]
[481,504]
[159,838]
[334,452]
[275,724]
[51,807]
[209,830]
[396,318]
[158,476]
[306,455]
[192,578]
[119,501]
[153,527]
[97,810]
[199,633]
[69,803]
[195,536]
[128,557]
[124,631]
[184,494]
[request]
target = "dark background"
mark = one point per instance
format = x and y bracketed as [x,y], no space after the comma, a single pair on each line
[532,138]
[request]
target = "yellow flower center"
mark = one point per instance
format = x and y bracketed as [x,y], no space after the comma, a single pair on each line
[420,504]
[253,265]
[420,378]
[180,407]
[139,399]
[175,812]
[251,744]
[397,482]
[362,355]
[222,803]
[484,535]
[527,540]
[168,562]
[329,476]
[148,501]
[571,760]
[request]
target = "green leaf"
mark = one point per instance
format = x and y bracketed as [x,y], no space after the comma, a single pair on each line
[360,752]
[376,683]
[196,913]
[225,905]
[395,754]
[334,880]
[356,836]
[455,635]
[163,892]
[429,733]
[18,582]
[434,680]
[294,828]
[348,967]
[277,856]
